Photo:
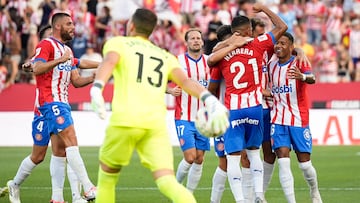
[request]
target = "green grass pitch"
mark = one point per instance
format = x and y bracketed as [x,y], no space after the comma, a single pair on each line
[338,169]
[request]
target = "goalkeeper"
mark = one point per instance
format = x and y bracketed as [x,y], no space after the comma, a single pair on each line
[141,72]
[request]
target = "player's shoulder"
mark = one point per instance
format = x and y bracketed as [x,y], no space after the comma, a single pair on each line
[116,39]
[205,56]
[263,37]
[45,42]
[273,62]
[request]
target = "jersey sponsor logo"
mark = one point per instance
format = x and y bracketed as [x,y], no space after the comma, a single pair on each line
[60,120]
[281,89]
[64,66]
[38,137]
[247,120]
[204,83]
[237,51]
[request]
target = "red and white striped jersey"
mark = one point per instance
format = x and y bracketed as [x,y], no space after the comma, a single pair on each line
[334,15]
[313,21]
[190,6]
[242,71]
[53,85]
[289,95]
[265,83]
[198,70]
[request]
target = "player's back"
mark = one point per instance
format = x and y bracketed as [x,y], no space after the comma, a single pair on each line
[242,70]
[140,80]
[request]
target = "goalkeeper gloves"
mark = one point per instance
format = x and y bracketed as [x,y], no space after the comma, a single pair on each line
[97,99]
[218,114]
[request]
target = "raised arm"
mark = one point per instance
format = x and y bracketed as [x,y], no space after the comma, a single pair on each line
[279,25]
[224,47]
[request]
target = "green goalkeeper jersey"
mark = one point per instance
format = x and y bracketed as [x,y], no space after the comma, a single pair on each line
[140,79]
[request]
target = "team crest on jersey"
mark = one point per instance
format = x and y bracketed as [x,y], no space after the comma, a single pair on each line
[182,142]
[38,137]
[264,69]
[220,146]
[60,120]
[307,134]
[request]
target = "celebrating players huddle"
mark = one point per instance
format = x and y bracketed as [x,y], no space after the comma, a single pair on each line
[141,72]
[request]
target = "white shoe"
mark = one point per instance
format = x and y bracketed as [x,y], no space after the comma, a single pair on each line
[90,195]
[14,192]
[80,200]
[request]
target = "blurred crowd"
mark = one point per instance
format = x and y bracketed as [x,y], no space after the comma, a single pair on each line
[328,31]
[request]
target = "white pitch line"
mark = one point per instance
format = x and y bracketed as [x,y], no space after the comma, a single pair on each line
[201,188]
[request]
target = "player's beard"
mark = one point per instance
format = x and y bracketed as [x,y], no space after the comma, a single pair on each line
[65,36]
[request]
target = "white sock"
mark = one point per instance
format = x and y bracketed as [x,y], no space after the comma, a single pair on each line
[57,172]
[235,176]
[268,172]
[310,176]
[218,185]
[182,170]
[194,176]
[257,171]
[77,164]
[286,179]
[24,171]
[74,182]
[248,185]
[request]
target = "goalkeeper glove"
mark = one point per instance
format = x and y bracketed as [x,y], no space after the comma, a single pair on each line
[97,100]
[218,114]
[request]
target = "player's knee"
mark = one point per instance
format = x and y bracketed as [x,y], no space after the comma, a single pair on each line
[37,159]
[269,158]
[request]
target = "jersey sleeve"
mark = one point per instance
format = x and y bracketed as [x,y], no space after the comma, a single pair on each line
[305,68]
[265,42]
[215,74]
[43,51]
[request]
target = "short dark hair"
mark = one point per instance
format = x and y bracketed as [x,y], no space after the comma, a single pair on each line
[43,30]
[239,21]
[144,20]
[190,30]
[289,36]
[58,16]
[223,31]
[256,22]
